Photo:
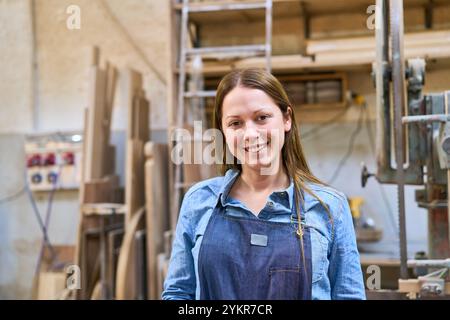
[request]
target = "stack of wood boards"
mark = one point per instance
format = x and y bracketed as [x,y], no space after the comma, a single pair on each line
[127,280]
[99,184]
[433,44]
[342,53]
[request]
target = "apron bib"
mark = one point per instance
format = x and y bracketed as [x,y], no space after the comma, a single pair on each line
[253,259]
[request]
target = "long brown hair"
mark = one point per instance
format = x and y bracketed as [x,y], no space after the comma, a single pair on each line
[293,158]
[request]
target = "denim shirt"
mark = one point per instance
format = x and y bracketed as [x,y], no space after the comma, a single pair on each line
[335,259]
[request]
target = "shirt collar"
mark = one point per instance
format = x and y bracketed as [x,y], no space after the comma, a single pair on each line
[229,179]
[232,174]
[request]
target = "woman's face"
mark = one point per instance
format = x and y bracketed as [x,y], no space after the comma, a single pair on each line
[254,127]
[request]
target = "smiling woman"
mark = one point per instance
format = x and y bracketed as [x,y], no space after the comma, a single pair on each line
[268,228]
[254,128]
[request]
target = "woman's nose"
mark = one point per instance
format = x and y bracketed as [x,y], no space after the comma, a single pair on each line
[251,133]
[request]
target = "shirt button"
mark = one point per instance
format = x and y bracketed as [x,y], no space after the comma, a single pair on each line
[270,204]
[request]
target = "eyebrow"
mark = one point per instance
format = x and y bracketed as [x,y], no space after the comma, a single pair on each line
[237,116]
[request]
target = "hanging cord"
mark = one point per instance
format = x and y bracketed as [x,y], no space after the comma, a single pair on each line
[44,224]
[350,146]
[14,196]
[320,128]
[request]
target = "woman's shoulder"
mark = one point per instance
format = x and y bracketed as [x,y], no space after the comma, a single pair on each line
[204,191]
[333,198]
[327,191]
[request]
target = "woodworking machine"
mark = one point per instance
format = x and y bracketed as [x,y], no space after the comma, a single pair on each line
[413,148]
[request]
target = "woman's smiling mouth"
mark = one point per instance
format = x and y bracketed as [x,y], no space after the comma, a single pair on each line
[256,148]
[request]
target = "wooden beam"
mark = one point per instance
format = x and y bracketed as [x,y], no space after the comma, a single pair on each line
[95,139]
[157,213]
[134,180]
[137,135]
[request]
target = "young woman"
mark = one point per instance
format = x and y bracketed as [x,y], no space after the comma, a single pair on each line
[268,228]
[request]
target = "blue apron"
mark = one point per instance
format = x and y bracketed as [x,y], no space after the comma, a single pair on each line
[253,259]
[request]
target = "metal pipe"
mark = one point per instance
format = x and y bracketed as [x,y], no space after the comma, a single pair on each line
[442,263]
[426,119]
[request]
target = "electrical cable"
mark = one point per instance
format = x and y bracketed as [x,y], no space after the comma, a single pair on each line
[350,147]
[322,126]
[13,196]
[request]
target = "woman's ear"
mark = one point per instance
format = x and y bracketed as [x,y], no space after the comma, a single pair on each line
[288,119]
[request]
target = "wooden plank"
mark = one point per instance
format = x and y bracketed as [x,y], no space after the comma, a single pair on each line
[125,279]
[63,256]
[51,285]
[79,241]
[143,131]
[102,208]
[131,84]
[419,39]
[163,267]
[101,190]
[97,292]
[114,244]
[111,81]
[413,286]
[134,178]
[95,139]
[157,213]
[137,135]
[109,160]
[140,115]
[89,258]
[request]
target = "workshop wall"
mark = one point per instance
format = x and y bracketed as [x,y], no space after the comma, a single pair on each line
[129,34]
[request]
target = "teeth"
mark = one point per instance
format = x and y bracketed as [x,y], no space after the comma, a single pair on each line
[256,148]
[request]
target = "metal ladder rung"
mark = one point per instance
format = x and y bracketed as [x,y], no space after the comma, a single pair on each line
[225,6]
[200,94]
[258,48]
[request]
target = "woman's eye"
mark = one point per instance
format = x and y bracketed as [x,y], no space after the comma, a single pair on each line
[233,124]
[263,117]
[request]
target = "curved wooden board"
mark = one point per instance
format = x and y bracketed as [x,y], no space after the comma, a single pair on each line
[125,276]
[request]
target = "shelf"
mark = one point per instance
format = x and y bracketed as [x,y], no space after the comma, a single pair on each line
[342,54]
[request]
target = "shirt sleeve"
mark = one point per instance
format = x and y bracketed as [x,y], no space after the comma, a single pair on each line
[180,281]
[345,272]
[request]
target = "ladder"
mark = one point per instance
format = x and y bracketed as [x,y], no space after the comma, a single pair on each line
[188,53]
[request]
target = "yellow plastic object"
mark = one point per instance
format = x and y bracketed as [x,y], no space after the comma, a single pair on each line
[355,206]
[360,100]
